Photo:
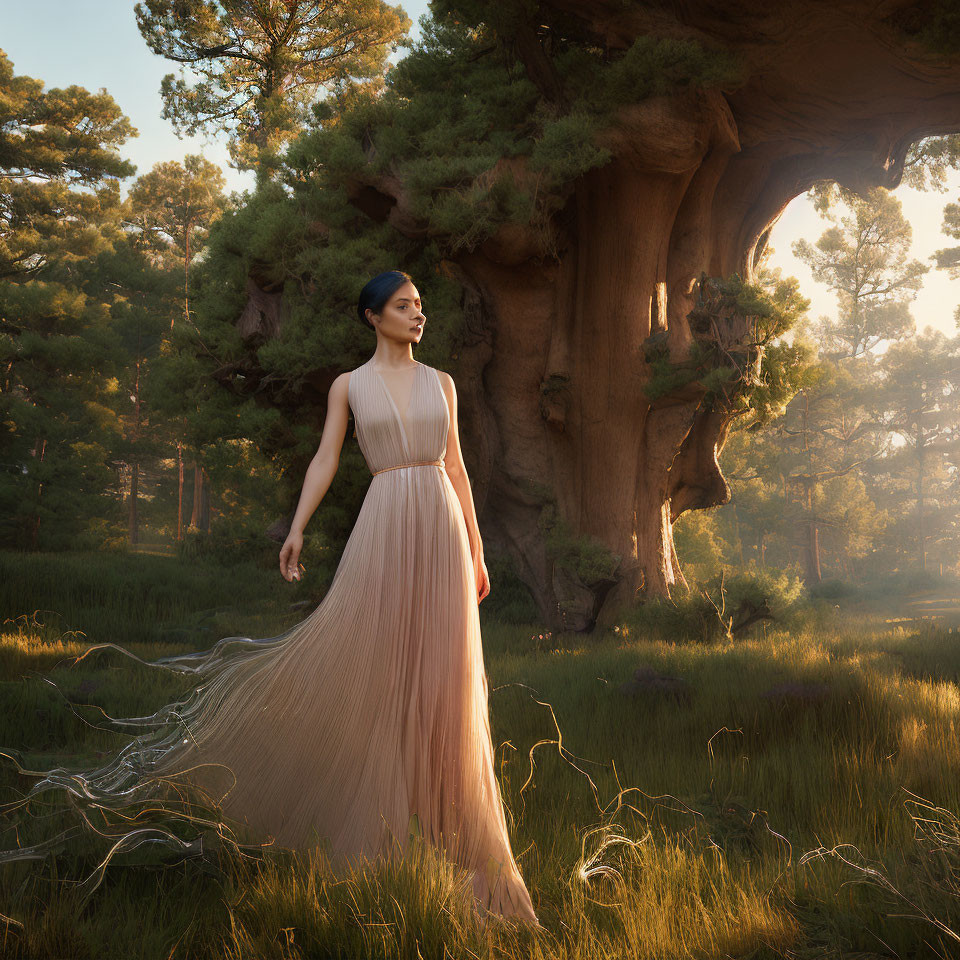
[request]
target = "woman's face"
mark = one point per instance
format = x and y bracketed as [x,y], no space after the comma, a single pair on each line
[401,317]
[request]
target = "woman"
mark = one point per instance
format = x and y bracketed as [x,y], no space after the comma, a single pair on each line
[368,720]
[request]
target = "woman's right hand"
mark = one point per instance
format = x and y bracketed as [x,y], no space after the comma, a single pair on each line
[290,556]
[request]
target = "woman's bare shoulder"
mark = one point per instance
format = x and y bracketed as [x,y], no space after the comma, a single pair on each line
[445,377]
[340,385]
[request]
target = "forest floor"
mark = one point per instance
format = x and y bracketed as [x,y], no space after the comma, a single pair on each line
[943,606]
[796,794]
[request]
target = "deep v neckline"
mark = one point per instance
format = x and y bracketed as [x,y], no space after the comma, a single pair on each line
[393,403]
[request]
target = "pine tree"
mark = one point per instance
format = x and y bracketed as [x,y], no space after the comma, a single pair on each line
[173,207]
[259,64]
[919,396]
[59,216]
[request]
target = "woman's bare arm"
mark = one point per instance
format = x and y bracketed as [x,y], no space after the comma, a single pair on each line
[320,473]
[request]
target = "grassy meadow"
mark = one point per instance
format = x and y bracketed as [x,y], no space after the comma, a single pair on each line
[794,793]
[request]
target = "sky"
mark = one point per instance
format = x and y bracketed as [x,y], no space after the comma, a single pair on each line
[96,44]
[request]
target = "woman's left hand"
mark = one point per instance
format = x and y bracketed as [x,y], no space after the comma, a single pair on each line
[482,577]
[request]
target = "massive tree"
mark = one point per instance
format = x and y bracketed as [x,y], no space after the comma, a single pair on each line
[582,170]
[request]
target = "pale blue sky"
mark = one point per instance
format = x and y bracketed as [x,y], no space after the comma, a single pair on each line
[95,43]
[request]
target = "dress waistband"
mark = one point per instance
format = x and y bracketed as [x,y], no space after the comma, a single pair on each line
[415,463]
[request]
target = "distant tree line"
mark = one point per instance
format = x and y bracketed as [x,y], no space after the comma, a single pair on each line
[860,476]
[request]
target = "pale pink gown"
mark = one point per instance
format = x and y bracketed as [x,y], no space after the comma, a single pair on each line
[373,709]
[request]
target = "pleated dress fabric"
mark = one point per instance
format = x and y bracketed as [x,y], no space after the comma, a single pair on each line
[369,718]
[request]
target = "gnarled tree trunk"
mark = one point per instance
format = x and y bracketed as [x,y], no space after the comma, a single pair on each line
[555,420]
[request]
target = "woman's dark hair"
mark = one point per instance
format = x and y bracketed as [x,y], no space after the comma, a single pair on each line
[378,291]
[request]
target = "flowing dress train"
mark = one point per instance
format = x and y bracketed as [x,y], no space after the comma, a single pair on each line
[372,713]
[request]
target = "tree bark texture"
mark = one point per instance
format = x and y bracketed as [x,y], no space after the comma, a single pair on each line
[559,316]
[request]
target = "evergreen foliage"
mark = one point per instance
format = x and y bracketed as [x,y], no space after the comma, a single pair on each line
[257,64]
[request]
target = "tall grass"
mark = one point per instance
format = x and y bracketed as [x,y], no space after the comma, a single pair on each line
[793,794]
[141,598]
